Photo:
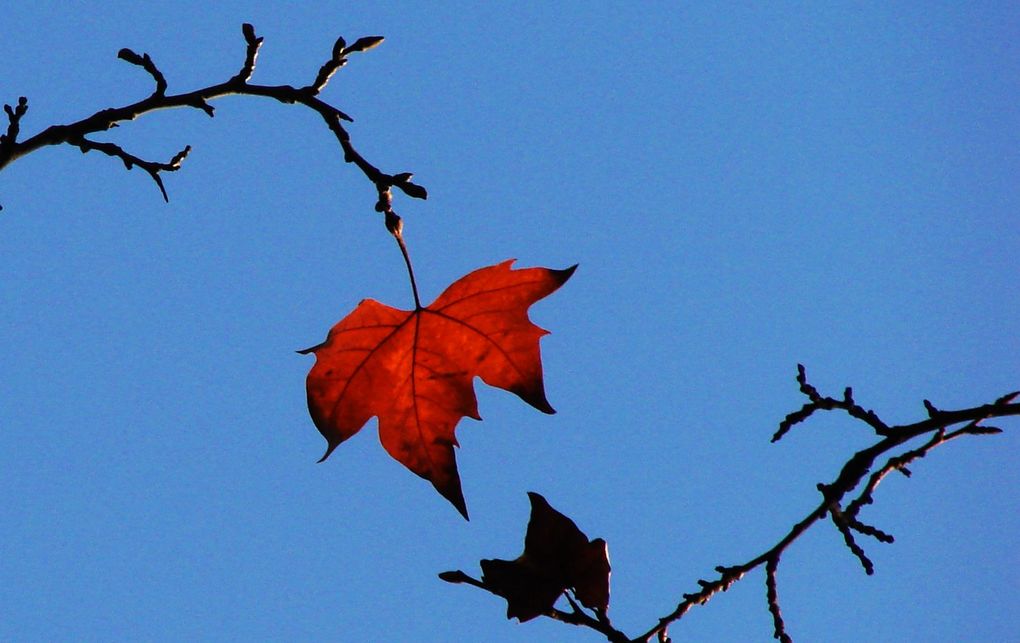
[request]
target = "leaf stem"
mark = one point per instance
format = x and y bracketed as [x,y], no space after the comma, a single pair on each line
[396,227]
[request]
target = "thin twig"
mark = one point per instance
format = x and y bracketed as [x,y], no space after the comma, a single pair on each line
[818,403]
[145,62]
[772,598]
[130,160]
[577,615]
[843,525]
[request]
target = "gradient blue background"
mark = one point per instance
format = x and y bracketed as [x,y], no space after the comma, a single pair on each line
[744,186]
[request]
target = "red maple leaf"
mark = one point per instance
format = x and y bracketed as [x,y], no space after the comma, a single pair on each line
[414,369]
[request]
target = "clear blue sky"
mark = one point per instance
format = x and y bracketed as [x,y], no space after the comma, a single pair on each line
[744,187]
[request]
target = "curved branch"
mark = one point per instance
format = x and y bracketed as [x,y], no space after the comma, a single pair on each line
[844,515]
[852,474]
[75,133]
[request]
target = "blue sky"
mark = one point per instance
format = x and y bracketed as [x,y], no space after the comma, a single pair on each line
[745,187]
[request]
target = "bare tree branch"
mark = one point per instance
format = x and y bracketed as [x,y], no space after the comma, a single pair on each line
[75,133]
[851,475]
[858,468]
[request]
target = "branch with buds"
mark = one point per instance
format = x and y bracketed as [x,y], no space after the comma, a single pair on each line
[864,471]
[77,133]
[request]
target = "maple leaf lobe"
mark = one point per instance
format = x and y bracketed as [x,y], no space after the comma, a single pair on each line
[414,370]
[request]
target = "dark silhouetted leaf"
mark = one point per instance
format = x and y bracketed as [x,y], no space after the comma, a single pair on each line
[557,557]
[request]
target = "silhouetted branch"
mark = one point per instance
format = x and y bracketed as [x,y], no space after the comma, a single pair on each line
[819,403]
[772,597]
[843,525]
[9,140]
[145,62]
[14,115]
[339,59]
[254,43]
[860,467]
[76,133]
[130,160]
[851,475]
